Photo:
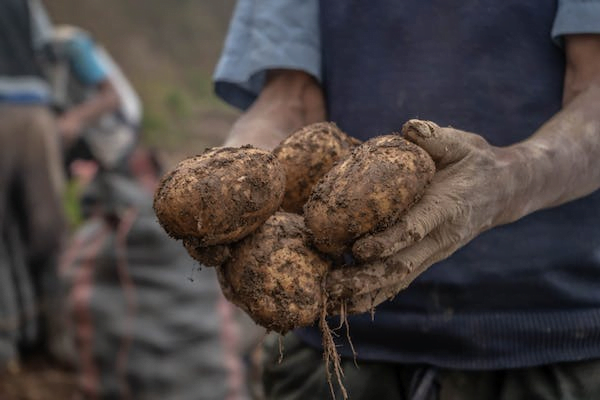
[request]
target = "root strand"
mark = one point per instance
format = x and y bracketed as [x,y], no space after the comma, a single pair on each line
[330,354]
[280,339]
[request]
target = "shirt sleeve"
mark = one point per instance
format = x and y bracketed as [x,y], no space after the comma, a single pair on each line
[263,35]
[86,64]
[576,17]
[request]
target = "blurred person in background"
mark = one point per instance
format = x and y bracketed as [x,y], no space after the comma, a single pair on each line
[142,322]
[31,181]
[506,313]
[146,322]
[99,112]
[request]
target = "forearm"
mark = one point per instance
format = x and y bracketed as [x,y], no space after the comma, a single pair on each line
[298,92]
[561,161]
[105,101]
[290,100]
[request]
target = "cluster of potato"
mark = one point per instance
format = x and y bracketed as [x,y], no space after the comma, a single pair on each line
[272,222]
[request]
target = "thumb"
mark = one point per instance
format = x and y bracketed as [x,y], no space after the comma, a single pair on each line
[444,145]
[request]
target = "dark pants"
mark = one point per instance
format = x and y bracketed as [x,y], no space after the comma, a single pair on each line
[301,376]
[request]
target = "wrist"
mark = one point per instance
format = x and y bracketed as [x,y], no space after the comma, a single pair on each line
[524,167]
[297,93]
[289,101]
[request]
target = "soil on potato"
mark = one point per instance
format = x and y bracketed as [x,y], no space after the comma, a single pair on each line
[37,379]
[275,275]
[220,196]
[367,192]
[306,156]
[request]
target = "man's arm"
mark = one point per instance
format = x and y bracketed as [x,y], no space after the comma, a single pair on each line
[270,66]
[106,100]
[88,68]
[478,186]
[561,161]
[290,100]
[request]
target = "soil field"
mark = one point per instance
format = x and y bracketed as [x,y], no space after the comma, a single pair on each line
[37,379]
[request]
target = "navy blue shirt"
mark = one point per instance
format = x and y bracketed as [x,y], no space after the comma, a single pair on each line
[522,294]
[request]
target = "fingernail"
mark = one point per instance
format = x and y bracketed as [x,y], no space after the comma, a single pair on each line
[424,129]
[367,250]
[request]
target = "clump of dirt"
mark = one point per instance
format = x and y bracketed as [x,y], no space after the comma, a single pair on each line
[37,379]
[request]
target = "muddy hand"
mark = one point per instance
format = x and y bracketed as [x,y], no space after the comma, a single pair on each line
[471,192]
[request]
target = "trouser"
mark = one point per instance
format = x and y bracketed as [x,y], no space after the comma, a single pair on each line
[301,376]
[31,219]
[31,176]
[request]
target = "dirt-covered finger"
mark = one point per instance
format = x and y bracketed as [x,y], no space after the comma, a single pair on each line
[395,270]
[347,282]
[444,145]
[426,215]
[365,303]
[418,258]
[372,295]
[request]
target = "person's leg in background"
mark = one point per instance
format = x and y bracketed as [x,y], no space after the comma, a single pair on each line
[36,190]
[48,227]
[9,308]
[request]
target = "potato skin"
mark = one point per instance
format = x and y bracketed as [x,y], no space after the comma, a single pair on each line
[275,276]
[306,156]
[208,256]
[367,191]
[221,195]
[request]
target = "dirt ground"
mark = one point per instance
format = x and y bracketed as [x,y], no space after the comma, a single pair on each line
[36,379]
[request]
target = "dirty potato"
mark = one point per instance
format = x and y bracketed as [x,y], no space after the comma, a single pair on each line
[367,191]
[221,195]
[275,276]
[306,156]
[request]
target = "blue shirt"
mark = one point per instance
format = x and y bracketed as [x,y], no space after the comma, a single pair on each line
[84,60]
[286,34]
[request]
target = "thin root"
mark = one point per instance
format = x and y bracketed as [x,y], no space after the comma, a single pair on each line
[344,321]
[280,339]
[330,353]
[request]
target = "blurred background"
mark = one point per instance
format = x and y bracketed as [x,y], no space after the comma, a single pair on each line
[131,314]
[168,50]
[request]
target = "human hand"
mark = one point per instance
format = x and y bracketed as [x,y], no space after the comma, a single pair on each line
[472,191]
[69,127]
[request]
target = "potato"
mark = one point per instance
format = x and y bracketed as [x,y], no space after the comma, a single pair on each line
[275,276]
[367,192]
[306,156]
[221,195]
[208,256]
